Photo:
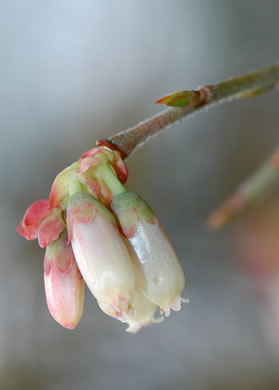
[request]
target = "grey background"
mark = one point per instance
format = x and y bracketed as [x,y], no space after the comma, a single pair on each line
[75,71]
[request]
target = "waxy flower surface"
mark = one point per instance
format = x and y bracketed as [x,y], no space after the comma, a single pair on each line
[101,254]
[159,275]
[95,231]
[63,283]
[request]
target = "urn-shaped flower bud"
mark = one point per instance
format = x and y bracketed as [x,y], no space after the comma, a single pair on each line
[64,285]
[158,272]
[100,252]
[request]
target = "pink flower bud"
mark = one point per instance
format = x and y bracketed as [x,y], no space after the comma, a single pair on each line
[100,252]
[159,275]
[42,222]
[64,285]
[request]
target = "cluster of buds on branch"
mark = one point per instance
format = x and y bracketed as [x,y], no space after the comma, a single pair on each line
[95,231]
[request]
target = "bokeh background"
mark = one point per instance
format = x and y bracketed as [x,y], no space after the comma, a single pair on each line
[76,71]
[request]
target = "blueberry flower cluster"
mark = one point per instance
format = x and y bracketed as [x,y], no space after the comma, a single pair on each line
[95,231]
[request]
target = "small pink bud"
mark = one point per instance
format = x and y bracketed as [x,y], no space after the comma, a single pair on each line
[100,252]
[32,219]
[63,283]
[42,222]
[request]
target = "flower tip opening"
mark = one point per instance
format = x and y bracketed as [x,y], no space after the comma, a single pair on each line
[175,306]
[69,326]
[134,328]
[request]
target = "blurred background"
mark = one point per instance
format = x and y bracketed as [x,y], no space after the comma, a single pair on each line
[76,71]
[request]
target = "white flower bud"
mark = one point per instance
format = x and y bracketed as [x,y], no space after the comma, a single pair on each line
[159,275]
[158,271]
[100,252]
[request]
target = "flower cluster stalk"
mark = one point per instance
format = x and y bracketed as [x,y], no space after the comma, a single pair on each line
[245,86]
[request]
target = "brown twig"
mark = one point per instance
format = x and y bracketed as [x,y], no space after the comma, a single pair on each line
[188,102]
